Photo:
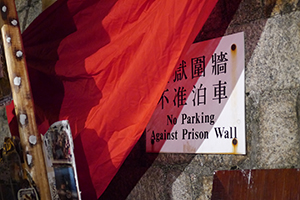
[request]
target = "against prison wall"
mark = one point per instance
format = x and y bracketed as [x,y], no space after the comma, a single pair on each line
[272,73]
[272,46]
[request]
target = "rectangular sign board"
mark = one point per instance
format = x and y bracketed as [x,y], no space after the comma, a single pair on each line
[202,109]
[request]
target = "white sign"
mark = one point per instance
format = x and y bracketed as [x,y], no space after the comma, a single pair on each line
[202,109]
